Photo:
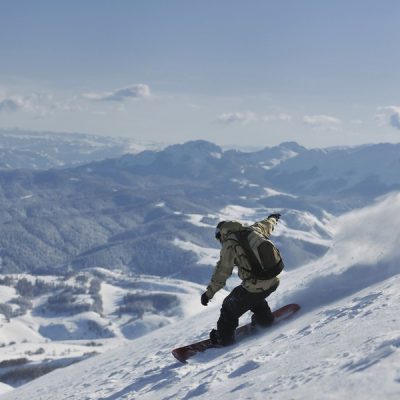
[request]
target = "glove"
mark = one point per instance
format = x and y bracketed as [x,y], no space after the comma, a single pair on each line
[204,299]
[276,216]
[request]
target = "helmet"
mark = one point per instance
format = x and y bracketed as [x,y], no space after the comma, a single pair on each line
[224,228]
[218,230]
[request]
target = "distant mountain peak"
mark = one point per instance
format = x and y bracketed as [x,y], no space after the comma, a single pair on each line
[199,146]
[294,146]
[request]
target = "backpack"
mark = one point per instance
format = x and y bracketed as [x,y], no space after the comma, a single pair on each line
[264,258]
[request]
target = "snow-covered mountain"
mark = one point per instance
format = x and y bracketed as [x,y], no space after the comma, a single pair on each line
[344,343]
[352,173]
[44,150]
[140,226]
[111,213]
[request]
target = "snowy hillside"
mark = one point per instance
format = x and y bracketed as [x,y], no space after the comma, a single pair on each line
[48,322]
[344,343]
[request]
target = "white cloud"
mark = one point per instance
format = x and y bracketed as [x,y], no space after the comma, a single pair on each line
[395,120]
[389,115]
[42,103]
[248,116]
[37,103]
[237,118]
[277,117]
[138,91]
[322,121]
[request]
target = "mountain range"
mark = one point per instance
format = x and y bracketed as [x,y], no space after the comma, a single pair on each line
[87,219]
[126,212]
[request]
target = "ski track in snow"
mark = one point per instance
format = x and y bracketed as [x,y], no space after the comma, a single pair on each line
[344,342]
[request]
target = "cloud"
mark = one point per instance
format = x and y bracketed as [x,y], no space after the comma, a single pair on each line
[10,104]
[389,115]
[277,117]
[248,116]
[138,91]
[322,121]
[42,103]
[236,118]
[395,120]
[37,103]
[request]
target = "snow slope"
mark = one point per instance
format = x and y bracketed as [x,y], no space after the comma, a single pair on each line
[4,388]
[344,343]
[38,339]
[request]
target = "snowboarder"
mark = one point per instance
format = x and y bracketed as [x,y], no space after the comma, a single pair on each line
[252,292]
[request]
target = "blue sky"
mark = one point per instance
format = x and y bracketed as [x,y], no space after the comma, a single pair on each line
[245,73]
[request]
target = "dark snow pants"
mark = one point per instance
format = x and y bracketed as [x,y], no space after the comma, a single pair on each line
[240,301]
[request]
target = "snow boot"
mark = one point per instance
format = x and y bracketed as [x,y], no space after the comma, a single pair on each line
[217,339]
[262,322]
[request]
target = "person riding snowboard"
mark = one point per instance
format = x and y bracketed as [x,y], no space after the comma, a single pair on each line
[256,284]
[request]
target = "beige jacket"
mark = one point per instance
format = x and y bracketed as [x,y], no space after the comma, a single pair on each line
[233,254]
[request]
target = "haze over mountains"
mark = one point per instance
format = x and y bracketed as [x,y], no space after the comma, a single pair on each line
[102,242]
[43,150]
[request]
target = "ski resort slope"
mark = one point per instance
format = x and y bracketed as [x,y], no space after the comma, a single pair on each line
[344,343]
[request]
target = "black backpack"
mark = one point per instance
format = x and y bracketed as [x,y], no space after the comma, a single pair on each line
[264,258]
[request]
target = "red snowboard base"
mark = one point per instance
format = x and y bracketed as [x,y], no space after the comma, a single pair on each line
[185,352]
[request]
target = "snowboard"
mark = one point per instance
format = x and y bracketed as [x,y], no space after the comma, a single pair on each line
[182,354]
